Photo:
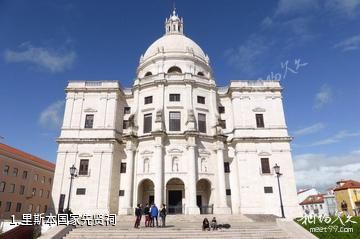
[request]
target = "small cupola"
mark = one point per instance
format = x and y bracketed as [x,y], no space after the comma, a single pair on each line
[174,25]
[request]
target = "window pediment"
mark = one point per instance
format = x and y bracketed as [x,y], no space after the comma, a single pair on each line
[259,109]
[146,152]
[90,110]
[85,155]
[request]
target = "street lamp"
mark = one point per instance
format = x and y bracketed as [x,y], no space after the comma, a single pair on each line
[72,175]
[278,174]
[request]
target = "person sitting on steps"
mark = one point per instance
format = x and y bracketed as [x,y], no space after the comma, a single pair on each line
[205,224]
[214,224]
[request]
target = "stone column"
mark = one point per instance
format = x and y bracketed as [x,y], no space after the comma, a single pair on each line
[159,173]
[191,207]
[234,183]
[221,205]
[128,207]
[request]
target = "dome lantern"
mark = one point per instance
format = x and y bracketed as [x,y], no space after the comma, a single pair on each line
[174,25]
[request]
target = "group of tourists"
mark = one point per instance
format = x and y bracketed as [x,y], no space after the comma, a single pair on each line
[151,215]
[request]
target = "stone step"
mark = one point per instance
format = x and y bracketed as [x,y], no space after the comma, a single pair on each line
[183,226]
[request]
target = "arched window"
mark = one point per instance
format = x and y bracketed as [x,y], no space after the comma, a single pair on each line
[204,165]
[146,165]
[200,73]
[148,73]
[175,165]
[174,69]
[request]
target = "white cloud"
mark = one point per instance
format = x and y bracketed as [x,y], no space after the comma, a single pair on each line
[309,129]
[53,60]
[349,44]
[337,138]
[244,56]
[294,6]
[321,171]
[52,116]
[323,97]
[348,7]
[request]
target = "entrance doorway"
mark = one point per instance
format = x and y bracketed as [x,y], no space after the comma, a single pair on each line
[145,192]
[204,198]
[175,195]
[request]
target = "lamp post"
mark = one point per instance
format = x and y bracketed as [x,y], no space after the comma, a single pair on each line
[278,174]
[72,175]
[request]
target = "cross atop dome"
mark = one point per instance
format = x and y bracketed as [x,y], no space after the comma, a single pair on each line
[174,25]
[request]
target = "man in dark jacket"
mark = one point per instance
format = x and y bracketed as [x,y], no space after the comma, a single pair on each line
[147,215]
[138,213]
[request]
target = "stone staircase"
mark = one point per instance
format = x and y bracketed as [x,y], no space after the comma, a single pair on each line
[184,226]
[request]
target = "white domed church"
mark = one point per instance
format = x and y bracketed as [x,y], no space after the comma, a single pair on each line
[174,138]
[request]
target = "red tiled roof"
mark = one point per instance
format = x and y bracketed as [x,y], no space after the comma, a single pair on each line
[21,155]
[319,198]
[304,190]
[347,184]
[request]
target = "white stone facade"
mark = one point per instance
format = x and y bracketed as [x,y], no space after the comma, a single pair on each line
[194,161]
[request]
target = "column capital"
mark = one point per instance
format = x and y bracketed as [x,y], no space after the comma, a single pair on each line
[190,146]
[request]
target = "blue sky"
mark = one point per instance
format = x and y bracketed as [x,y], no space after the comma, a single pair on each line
[43,44]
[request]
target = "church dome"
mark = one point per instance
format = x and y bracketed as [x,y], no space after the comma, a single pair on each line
[174,43]
[174,53]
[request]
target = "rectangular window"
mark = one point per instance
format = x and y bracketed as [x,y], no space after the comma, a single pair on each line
[2,186]
[174,97]
[226,167]
[36,177]
[148,100]
[259,120]
[6,169]
[147,123]
[174,121]
[123,168]
[25,174]
[89,121]
[50,181]
[84,167]
[33,191]
[30,207]
[12,188]
[121,192]
[15,172]
[43,179]
[18,207]
[45,208]
[268,190]
[127,110]
[80,191]
[125,124]
[22,189]
[47,194]
[221,109]
[40,193]
[222,124]
[202,122]
[201,99]
[228,192]
[8,207]
[265,165]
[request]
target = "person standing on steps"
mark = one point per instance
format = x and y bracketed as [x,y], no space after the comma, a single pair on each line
[163,213]
[138,213]
[147,215]
[154,211]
